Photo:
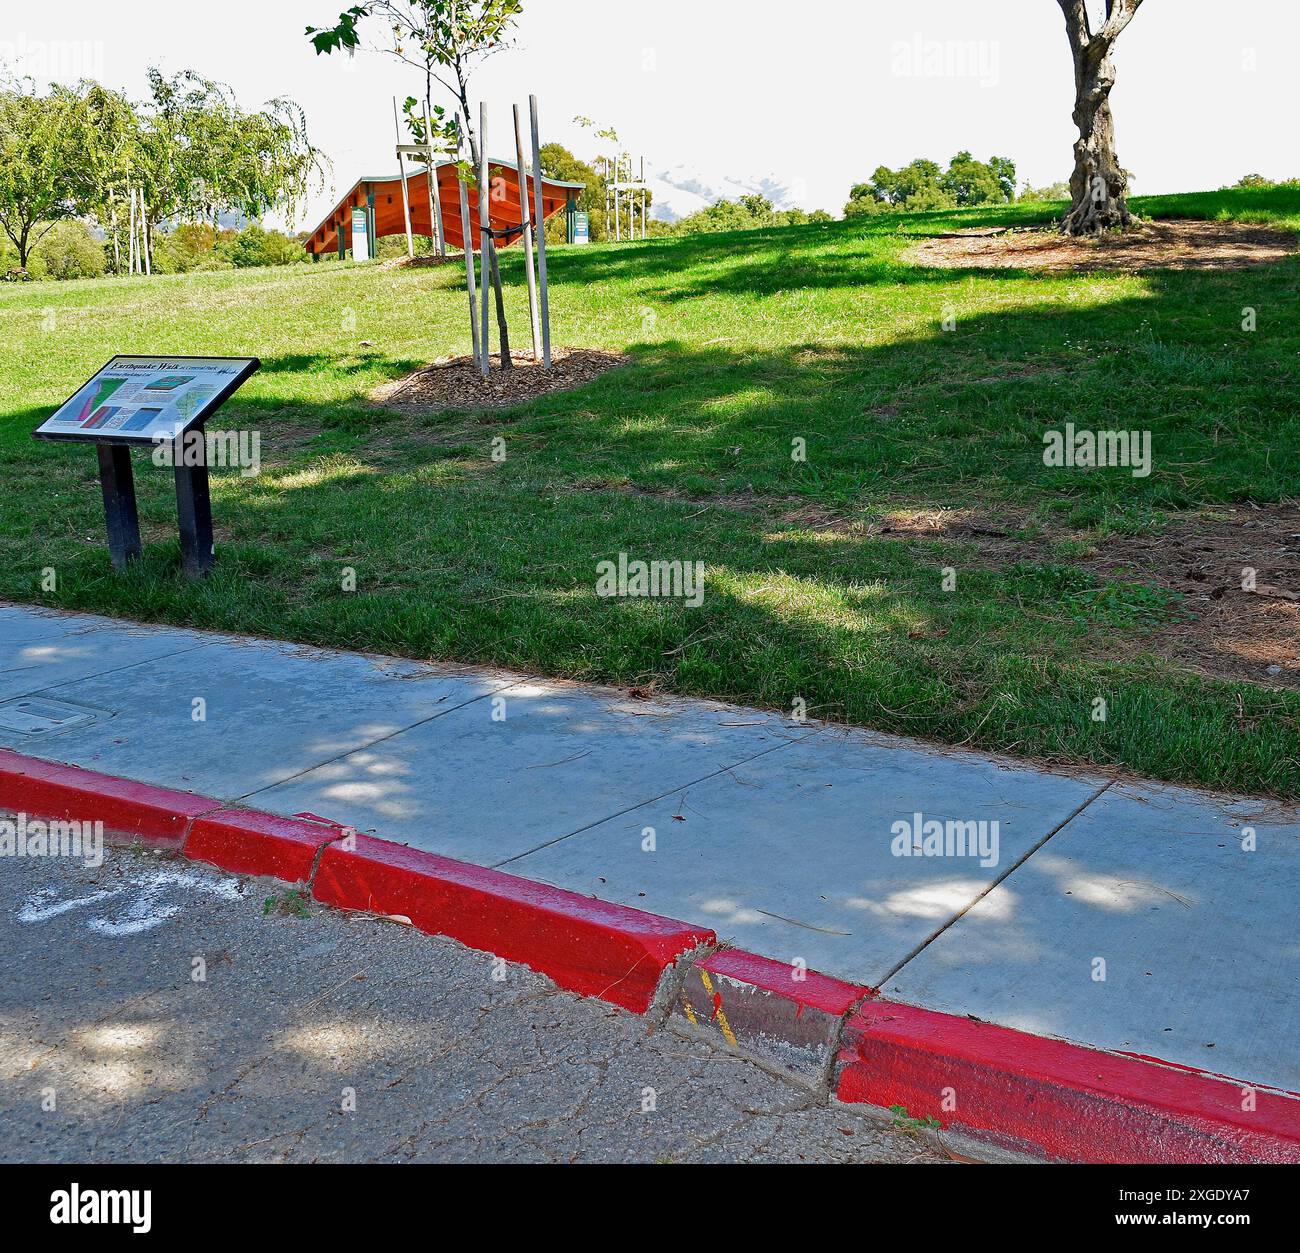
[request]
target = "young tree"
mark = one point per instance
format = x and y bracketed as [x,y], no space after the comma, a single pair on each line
[44,173]
[446,40]
[1099,185]
[114,127]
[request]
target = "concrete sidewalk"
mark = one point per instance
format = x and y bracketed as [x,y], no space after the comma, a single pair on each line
[1134,917]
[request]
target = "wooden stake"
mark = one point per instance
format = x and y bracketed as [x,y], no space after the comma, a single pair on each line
[130,264]
[144,236]
[406,198]
[469,248]
[503,326]
[484,240]
[112,218]
[435,192]
[526,219]
[541,235]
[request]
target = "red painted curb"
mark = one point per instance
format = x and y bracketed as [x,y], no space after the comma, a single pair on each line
[1026,1093]
[784,1013]
[48,789]
[584,945]
[1054,1099]
[249,842]
[806,988]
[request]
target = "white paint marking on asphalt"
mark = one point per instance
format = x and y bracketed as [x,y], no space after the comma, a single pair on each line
[146,906]
[36,909]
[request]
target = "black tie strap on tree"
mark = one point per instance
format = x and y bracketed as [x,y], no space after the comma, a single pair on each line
[148,402]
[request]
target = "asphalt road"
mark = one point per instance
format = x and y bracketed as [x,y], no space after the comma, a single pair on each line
[152,1011]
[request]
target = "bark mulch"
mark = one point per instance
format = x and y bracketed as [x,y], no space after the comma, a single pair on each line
[456,383]
[429,261]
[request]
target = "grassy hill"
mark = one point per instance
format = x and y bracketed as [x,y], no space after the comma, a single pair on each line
[825,577]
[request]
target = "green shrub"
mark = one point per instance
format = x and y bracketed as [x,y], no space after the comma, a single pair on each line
[1257,182]
[395,245]
[255,245]
[1053,191]
[189,246]
[744,214]
[69,250]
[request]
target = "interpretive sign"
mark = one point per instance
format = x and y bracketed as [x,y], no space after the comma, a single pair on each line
[143,400]
[152,402]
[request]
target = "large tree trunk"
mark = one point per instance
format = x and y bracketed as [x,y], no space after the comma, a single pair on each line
[1099,184]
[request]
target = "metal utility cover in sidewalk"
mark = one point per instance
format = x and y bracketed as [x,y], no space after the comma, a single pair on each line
[32,716]
[268,711]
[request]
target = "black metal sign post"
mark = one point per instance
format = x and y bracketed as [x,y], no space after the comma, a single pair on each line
[145,402]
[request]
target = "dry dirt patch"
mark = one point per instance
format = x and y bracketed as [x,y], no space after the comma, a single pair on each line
[456,383]
[1228,632]
[1147,246]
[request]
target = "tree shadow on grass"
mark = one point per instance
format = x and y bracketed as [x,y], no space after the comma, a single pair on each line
[963,410]
[471,559]
[770,261]
[858,627]
[755,263]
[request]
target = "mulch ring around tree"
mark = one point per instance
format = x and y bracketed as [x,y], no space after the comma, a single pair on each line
[427,261]
[456,383]
[1145,246]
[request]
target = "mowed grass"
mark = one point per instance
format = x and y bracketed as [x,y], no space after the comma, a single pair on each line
[741,344]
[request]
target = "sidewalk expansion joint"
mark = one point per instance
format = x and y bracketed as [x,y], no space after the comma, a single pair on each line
[381,739]
[713,774]
[837,1044]
[1002,878]
[99,674]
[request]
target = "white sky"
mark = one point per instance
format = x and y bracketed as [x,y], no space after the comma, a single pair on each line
[818,93]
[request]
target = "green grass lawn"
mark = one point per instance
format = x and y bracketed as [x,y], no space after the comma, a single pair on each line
[740,344]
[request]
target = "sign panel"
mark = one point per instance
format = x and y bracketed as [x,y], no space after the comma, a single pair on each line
[360,235]
[581,228]
[142,400]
